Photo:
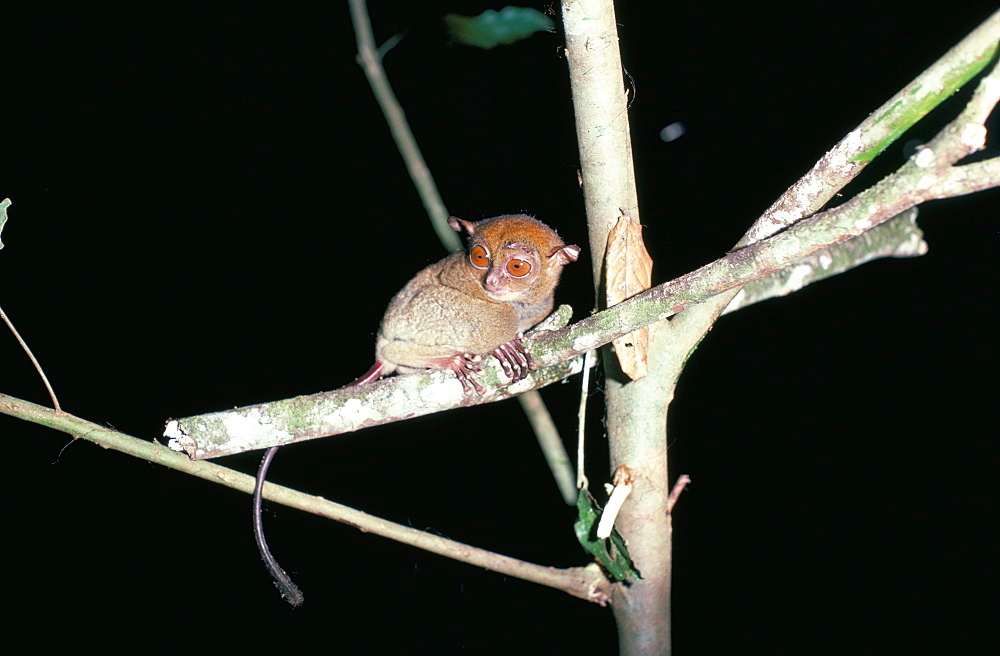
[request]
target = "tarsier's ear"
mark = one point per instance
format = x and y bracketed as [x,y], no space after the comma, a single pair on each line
[565,254]
[458,225]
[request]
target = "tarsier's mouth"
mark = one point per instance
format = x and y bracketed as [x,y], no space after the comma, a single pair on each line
[500,294]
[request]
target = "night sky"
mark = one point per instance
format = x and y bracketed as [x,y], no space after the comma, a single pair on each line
[208,212]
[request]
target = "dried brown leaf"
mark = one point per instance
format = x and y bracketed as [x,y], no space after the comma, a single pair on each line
[629,271]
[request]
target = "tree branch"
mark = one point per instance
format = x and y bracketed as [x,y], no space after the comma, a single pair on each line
[900,236]
[880,129]
[635,412]
[584,582]
[929,174]
[924,177]
[852,153]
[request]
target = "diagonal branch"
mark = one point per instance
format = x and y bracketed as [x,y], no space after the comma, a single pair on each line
[342,411]
[898,237]
[926,176]
[584,582]
[929,174]
[880,129]
[853,153]
[404,397]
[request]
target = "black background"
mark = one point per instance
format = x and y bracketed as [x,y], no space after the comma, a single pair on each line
[209,212]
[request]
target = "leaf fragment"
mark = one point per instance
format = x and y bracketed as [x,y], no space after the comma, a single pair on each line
[497,28]
[629,271]
[611,553]
[3,215]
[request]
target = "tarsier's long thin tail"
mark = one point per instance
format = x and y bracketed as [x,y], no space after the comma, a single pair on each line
[289,591]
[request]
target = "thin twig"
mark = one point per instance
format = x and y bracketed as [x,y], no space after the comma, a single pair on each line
[551,444]
[675,493]
[34,361]
[581,417]
[370,59]
[4,204]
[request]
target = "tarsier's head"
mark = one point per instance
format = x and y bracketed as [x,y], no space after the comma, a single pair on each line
[516,255]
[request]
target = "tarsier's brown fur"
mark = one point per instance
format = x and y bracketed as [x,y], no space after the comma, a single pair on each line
[454,310]
[470,304]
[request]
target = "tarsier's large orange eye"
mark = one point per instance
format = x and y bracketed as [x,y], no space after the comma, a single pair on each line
[479,257]
[518,268]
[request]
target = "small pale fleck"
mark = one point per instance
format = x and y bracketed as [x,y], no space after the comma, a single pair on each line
[173,429]
[873,208]
[177,438]
[862,224]
[924,158]
[798,276]
[974,136]
[673,131]
[825,260]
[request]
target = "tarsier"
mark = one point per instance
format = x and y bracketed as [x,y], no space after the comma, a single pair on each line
[470,304]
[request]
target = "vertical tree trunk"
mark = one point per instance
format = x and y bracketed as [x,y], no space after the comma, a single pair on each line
[636,411]
[637,432]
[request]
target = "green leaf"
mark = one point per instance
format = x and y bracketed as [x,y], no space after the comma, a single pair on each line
[497,28]
[611,554]
[3,215]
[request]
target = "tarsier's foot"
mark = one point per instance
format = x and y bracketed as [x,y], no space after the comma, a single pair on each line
[515,359]
[465,365]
